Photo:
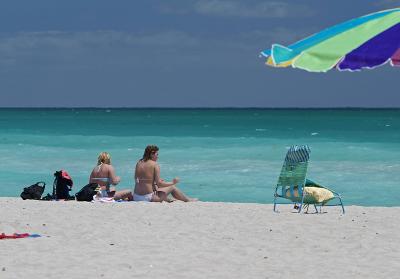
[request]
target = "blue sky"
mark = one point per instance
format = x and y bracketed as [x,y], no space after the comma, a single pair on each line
[186,53]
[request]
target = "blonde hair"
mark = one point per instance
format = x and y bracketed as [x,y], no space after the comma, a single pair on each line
[104,158]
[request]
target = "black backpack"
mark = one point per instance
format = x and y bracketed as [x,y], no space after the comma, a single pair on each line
[87,192]
[33,192]
[62,185]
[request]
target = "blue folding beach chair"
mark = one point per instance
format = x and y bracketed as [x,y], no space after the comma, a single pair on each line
[292,183]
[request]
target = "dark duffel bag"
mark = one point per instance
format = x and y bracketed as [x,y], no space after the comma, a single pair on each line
[87,192]
[33,192]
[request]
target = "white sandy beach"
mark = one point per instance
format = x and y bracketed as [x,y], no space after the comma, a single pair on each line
[196,240]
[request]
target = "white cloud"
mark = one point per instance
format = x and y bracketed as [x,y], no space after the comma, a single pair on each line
[26,42]
[93,50]
[237,8]
[279,35]
[389,4]
[241,9]
[124,50]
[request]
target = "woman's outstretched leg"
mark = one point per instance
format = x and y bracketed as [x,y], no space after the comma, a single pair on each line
[179,195]
[175,192]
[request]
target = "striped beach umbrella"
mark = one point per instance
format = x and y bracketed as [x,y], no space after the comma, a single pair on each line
[361,43]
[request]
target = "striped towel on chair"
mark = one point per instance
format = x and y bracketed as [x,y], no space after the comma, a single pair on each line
[297,154]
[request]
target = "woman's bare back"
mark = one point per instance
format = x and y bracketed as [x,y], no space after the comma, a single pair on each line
[145,177]
[103,175]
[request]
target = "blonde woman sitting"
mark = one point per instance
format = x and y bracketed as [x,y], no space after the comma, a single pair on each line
[104,175]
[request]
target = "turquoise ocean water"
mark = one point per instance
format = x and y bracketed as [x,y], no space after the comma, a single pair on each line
[230,155]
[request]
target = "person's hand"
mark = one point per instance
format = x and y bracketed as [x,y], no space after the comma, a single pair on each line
[175,180]
[118,179]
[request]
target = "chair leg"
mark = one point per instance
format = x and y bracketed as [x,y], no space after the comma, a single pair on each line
[301,204]
[341,203]
[275,203]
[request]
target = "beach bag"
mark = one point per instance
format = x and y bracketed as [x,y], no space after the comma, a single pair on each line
[33,192]
[62,185]
[87,192]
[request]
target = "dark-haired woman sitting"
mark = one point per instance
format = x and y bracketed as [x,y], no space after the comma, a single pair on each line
[148,184]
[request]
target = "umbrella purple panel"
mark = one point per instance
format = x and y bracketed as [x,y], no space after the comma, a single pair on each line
[377,51]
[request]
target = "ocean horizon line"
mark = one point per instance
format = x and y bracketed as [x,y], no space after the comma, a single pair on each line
[199,108]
